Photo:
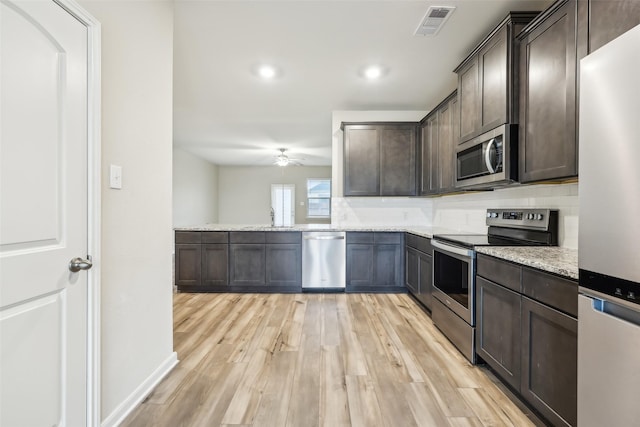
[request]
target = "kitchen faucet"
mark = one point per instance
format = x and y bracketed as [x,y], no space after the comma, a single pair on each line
[273,217]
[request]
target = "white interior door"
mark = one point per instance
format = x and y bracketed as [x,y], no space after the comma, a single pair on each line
[43,215]
[283,203]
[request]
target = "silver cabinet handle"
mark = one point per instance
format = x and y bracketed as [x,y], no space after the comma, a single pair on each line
[78,264]
[487,158]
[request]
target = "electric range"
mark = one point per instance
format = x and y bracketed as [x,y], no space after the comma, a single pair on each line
[454,266]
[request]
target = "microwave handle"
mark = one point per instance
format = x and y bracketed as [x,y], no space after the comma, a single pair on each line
[487,156]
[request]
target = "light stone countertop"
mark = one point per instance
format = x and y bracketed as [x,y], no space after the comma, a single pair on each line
[560,261]
[415,229]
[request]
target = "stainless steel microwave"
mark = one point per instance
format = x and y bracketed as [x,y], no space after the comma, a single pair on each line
[489,160]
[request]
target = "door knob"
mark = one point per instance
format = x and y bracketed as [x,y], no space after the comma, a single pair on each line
[78,264]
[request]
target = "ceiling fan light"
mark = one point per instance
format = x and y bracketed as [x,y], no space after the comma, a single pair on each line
[282,160]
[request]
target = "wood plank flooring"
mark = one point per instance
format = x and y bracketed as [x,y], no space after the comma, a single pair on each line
[304,360]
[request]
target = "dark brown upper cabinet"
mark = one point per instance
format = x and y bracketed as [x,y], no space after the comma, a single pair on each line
[548,64]
[488,79]
[600,21]
[380,159]
[438,138]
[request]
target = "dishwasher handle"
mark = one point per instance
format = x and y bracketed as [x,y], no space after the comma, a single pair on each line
[323,237]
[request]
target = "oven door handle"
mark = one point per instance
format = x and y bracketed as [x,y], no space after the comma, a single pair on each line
[453,249]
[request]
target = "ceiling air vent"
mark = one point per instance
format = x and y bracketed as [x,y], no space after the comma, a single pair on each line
[434,20]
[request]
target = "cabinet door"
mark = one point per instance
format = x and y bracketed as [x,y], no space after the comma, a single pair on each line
[548,145]
[188,265]
[429,156]
[411,271]
[498,329]
[426,279]
[549,362]
[398,161]
[387,266]
[284,265]
[494,81]
[247,265]
[609,19]
[469,99]
[215,265]
[359,265]
[361,160]
[446,152]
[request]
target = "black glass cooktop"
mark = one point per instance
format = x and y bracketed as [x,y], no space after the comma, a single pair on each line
[473,240]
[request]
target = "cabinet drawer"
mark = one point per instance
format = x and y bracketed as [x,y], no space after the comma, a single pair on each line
[283,237]
[501,272]
[246,237]
[356,237]
[215,237]
[554,291]
[420,243]
[388,238]
[188,237]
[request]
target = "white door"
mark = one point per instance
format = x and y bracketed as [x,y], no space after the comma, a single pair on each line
[43,215]
[283,204]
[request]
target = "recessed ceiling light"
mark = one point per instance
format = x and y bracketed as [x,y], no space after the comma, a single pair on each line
[267,72]
[373,72]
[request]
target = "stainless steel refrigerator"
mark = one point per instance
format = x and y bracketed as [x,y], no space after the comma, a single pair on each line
[609,236]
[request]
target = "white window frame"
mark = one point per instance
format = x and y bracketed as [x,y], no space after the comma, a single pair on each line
[328,216]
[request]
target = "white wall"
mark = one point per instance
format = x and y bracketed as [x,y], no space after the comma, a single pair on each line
[137,237]
[195,190]
[244,192]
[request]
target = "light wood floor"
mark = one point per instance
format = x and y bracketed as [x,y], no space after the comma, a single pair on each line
[318,360]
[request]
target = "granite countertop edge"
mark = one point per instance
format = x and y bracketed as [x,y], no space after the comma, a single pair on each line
[427,232]
[556,260]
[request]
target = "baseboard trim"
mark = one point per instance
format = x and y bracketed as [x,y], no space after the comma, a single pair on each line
[140,393]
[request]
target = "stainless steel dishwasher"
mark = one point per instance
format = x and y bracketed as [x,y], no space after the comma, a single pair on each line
[324,260]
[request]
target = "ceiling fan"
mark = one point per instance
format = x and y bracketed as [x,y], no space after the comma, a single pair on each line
[283,160]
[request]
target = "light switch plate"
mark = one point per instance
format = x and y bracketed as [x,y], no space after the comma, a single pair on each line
[115,177]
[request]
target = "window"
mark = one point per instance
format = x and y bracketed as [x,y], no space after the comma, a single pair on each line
[319,198]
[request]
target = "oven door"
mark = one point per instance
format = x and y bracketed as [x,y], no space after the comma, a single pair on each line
[454,270]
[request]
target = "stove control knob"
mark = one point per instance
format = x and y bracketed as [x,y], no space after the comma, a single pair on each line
[489,215]
[530,216]
[539,217]
[494,215]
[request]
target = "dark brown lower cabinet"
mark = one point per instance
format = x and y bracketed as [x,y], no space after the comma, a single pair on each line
[411,270]
[359,266]
[265,261]
[215,266]
[526,331]
[498,329]
[418,272]
[188,258]
[375,262]
[247,264]
[549,368]
[425,263]
[284,265]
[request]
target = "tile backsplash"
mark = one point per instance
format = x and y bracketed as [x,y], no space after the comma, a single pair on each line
[462,212]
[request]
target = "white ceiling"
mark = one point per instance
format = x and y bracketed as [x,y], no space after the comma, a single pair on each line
[227,115]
